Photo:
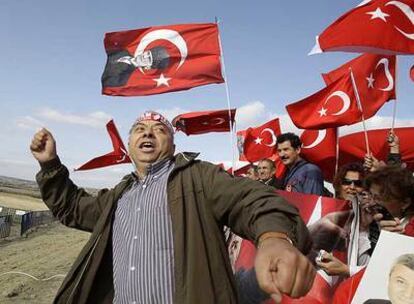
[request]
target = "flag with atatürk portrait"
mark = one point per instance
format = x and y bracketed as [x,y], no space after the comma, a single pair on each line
[161,59]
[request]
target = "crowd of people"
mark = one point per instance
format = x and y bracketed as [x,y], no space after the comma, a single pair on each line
[382,190]
[157,236]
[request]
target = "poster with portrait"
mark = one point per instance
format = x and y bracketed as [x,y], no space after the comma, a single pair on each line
[389,278]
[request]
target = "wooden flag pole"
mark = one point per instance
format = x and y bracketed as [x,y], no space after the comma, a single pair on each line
[232,131]
[360,108]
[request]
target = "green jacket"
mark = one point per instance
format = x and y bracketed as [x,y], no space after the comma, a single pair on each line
[202,199]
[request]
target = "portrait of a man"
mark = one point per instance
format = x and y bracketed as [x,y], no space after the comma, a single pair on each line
[400,282]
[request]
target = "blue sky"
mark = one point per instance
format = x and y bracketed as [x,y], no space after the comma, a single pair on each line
[52,58]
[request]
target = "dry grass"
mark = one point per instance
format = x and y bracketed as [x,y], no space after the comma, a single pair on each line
[46,252]
[21,202]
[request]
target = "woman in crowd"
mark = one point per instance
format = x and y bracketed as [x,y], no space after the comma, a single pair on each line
[348,185]
[391,187]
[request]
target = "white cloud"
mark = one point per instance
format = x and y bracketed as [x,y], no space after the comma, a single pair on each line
[95,119]
[250,115]
[28,123]
[18,162]
[171,113]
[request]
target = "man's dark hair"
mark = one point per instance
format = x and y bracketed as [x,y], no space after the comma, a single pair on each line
[269,161]
[295,141]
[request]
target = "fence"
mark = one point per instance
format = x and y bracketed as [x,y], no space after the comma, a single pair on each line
[35,218]
[5,225]
[15,214]
[25,219]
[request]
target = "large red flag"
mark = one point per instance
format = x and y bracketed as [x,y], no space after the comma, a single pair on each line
[117,156]
[331,107]
[374,78]
[319,148]
[260,142]
[161,59]
[204,122]
[352,146]
[314,210]
[376,26]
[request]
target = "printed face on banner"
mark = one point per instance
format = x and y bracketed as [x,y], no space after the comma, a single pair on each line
[389,276]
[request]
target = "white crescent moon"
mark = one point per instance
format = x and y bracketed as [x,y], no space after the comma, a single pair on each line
[274,139]
[124,154]
[169,35]
[408,12]
[321,136]
[346,101]
[385,62]
[217,121]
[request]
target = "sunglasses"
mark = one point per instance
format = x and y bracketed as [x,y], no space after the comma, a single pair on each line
[348,182]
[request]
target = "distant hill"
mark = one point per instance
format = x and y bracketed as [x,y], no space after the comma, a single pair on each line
[26,187]
[19,186]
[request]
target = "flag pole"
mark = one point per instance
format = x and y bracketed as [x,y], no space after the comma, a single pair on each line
[232,131]
[362,112]
[337,151]
[394,111]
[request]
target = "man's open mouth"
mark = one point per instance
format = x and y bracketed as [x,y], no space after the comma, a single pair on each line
[146,146]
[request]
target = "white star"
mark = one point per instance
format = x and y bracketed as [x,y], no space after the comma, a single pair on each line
[322,112]
[162,80]
[258,141]
[378,13]
[370,80]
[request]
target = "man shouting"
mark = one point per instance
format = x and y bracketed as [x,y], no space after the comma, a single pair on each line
[157,236]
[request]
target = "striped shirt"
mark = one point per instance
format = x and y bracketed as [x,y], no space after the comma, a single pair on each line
[142,241]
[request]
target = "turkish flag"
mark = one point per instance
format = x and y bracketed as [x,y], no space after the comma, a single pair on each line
[376,26]
[346,290]
[204,122]
[333,106]
[117,156]
[161,59]
[312,209]
[280,167]
[374,78]
[242,171]
[259,142]
[352,146]
[319,148]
